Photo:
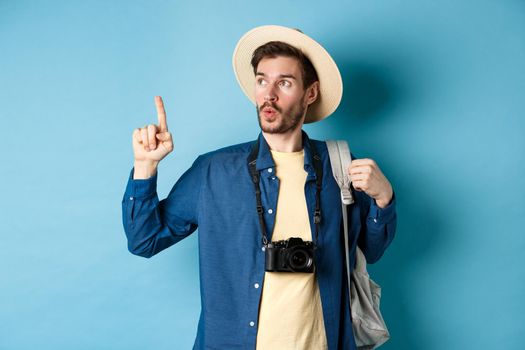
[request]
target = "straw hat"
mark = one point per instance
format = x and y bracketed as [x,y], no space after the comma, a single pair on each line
[330,82]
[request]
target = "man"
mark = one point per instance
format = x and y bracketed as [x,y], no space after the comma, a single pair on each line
[253,200]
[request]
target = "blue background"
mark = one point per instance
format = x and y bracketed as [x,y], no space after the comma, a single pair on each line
[434,92]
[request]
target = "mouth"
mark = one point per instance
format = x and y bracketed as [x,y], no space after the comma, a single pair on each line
[269,112]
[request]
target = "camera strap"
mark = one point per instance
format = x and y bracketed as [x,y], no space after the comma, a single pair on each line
[318,168]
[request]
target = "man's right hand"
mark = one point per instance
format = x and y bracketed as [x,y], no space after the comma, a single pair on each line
[151,144]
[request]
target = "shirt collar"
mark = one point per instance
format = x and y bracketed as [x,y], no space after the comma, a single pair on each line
[265,160]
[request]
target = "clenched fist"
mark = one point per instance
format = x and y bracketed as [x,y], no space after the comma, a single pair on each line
[151,144]
[366,176]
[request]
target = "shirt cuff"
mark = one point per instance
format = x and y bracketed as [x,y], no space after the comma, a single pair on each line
[141,188]
[383,215]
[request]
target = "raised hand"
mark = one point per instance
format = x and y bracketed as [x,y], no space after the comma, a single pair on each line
[151,143]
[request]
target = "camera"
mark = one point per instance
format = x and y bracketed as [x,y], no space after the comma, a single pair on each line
[291,255]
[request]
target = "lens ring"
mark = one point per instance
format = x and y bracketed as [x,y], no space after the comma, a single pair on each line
[299,259]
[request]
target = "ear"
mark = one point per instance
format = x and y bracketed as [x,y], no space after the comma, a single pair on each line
[312,92]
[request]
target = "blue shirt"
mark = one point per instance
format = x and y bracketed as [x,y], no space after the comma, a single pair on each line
[216,195]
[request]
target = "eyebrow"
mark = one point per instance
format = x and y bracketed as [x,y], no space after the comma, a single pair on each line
[290,76]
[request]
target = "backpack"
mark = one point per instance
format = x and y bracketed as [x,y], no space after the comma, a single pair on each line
[369,328]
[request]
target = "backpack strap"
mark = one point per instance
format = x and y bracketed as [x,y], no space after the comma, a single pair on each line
[340,159]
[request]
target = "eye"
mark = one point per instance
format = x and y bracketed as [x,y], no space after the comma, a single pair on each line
[285,83]
[261,82]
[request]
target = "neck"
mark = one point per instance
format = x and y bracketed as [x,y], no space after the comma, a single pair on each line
[288,142]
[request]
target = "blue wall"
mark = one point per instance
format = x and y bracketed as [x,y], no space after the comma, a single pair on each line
[434,92]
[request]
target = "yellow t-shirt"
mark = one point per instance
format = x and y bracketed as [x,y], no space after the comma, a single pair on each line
[291,315]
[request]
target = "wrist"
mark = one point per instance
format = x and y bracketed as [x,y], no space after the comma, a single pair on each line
[383,202]
[144,169]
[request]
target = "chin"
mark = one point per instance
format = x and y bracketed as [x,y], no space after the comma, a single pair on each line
[269,126]
[270,130]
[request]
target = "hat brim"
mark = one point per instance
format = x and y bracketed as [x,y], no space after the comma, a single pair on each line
[330,81]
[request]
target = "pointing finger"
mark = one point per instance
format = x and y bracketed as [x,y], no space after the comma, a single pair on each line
[161,114]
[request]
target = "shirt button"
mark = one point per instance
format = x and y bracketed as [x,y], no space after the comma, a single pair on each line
[256,285]
[270,170]
[270,211]
[273,177]
[252,324]
[263,249]
[131,198]
[375,220]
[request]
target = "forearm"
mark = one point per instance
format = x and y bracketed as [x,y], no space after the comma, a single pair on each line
[140,225]
[152,226]
[141,215]
[378,230]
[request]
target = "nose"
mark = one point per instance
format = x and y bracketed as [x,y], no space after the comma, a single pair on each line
[269,94]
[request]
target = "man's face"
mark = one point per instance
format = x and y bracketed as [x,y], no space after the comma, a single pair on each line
[279,95]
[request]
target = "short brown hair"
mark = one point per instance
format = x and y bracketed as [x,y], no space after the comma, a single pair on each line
[273,49]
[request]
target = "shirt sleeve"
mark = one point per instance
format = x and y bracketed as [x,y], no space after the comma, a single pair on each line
[152,226]
[378,228]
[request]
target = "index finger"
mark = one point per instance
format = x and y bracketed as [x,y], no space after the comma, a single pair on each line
[161,114]
[362,161]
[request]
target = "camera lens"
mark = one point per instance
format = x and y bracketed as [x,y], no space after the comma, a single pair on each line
[299,260]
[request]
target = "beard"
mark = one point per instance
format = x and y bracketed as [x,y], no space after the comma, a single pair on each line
[283,122]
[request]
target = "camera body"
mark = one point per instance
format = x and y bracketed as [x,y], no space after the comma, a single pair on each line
[291,255]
